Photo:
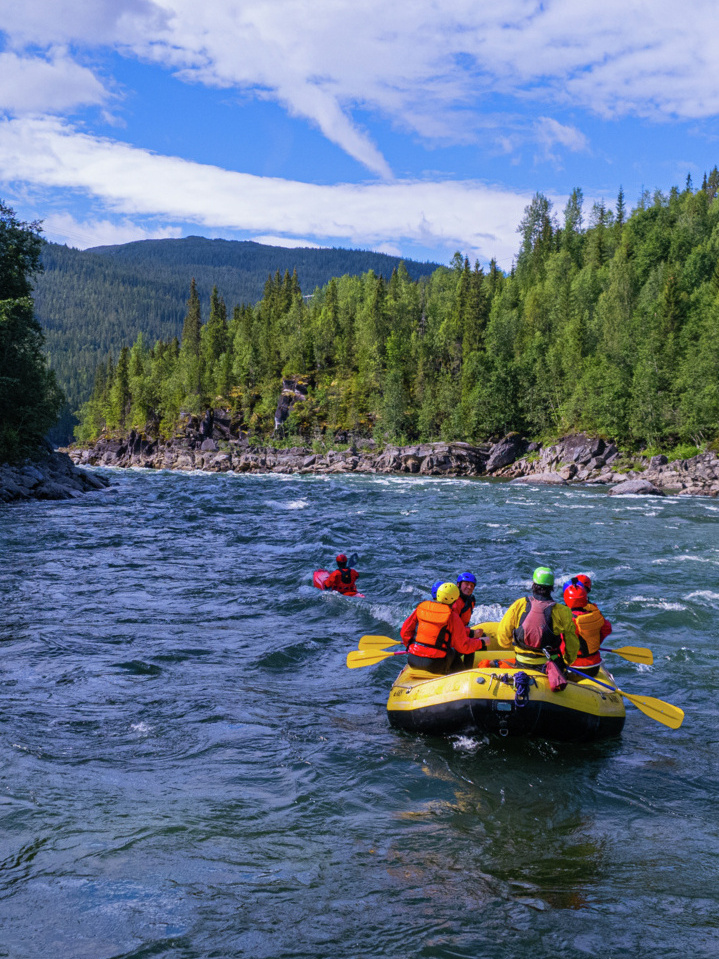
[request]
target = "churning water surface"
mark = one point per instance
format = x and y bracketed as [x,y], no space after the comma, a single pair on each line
[188,769]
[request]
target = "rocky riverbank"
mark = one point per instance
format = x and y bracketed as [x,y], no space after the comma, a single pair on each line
[573,459]
[49,476]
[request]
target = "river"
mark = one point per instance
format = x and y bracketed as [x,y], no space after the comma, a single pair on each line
[188,769]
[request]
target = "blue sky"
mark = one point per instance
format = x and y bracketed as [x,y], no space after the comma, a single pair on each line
[416,129]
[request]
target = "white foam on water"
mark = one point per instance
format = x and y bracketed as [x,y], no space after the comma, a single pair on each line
[297,504]
[413,590]
[141,729]
[487,614]
[707,596]
[387,614]
[685,558]
[468,744]
[654,603]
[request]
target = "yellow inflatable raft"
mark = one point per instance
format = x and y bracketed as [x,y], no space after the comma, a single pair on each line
[505,700]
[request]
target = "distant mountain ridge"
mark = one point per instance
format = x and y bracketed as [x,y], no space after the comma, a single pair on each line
[93,302]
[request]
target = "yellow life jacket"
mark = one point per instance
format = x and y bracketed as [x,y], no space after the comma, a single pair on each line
[588,623]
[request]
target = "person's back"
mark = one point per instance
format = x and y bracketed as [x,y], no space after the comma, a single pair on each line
[536,625]
[343,579]
[435,636]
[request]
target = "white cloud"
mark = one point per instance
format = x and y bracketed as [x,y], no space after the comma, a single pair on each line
[64,228]
[467,215]
[291,243]
[428,69]
[37,85]
[549,132]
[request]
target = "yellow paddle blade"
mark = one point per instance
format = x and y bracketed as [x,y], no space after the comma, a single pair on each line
[377,642]
[367,657]
[671,716]
[635,654]
[665,713]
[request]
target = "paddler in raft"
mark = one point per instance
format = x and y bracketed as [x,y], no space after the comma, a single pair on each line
[465,603]
[534,627]
[436,637]
[592,628]
[343,579]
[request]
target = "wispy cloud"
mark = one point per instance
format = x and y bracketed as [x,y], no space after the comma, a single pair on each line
[323,60]
[53,85]
[549,133]
[467,215]
[65,228]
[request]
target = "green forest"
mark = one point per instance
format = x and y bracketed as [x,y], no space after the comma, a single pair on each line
[609,326]
[30,398]
[91,302]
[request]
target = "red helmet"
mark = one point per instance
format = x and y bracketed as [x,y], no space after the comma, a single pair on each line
[341,559]
[575,595]
[585,581]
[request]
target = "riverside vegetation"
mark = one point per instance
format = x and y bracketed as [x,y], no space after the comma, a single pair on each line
[30,398]
[610,328]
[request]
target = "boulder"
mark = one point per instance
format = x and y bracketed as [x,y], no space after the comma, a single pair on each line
[209,446]
[543,479]
[506,451]
[635,487]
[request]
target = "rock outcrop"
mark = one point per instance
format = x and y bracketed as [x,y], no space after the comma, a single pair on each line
[50,476]
[217,444]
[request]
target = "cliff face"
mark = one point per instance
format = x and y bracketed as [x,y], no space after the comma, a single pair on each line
[209,445]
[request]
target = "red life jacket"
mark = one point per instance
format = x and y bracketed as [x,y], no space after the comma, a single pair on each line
[464,607]
[432,636]
[588,623]
[535,631]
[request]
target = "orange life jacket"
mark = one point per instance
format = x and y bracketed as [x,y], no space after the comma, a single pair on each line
[588,623]
[432,634]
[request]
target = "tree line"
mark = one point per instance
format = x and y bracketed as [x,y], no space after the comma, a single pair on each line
[30,398]
[92,302]
[609,326]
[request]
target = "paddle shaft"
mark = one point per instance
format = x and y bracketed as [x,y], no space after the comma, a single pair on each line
[656,709]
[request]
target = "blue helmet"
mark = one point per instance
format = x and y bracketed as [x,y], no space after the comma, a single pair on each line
[435,587]
[466,578]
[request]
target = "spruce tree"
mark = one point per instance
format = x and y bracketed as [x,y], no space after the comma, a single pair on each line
[30,399]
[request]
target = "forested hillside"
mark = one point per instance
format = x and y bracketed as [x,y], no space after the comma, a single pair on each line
[92,302]
[612,327]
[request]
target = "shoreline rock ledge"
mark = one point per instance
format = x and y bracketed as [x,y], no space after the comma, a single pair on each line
[574,459]
[51,476]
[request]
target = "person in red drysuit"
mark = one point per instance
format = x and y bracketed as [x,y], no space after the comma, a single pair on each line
[592,628]
[343,579]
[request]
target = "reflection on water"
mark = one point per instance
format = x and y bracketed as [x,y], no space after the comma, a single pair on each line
[188,768]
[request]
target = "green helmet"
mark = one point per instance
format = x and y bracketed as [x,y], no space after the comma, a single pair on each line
[543,576]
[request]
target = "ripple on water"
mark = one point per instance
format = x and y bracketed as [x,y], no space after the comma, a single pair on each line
[188,768]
